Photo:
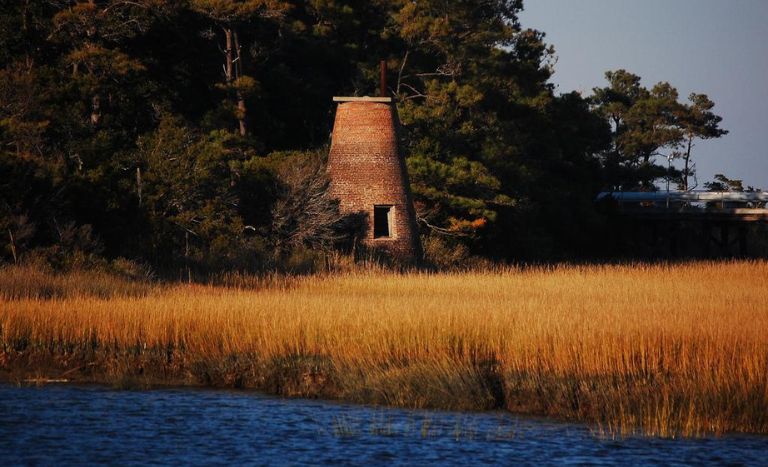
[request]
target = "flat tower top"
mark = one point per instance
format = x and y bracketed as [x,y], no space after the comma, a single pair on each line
[386,100]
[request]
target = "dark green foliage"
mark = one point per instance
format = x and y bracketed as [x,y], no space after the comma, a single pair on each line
[647,124]
[696,120]
[169,132]
[723,183]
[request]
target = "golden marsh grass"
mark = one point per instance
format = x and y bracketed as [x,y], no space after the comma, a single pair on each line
[656,349]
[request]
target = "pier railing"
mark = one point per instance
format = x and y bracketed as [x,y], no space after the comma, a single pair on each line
[706,205]
[689,196]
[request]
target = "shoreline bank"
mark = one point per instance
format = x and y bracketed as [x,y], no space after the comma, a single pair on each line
[605,403]
[608,345]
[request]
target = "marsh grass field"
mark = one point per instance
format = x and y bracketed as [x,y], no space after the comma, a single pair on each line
[659,350]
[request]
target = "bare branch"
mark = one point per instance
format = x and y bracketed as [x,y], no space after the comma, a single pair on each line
[441,230]
[400,73]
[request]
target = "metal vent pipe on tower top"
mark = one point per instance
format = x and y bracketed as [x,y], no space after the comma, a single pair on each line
[383,79]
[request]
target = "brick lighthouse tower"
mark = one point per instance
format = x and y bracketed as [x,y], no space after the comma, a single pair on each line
[369,177]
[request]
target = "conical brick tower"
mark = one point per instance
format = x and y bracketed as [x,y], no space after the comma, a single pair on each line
[369,176]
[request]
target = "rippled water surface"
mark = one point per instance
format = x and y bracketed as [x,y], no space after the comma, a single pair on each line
[86,425]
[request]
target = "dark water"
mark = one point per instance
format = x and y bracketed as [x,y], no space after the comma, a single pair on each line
[59,425]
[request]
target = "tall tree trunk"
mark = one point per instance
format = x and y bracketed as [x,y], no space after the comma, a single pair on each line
[232,71]
[687,159]
[241,109]
[13,247]
[138,183]
[228,56]
[96,109]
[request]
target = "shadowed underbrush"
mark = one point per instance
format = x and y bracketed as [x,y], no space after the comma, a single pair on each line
[658,350]
[38,282]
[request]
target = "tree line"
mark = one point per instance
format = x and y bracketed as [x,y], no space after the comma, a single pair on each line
[192,133]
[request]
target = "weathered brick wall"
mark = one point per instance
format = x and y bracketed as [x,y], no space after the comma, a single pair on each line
[367,168]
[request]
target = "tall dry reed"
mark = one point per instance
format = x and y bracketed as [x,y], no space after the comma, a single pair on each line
[654,349]
[35,282]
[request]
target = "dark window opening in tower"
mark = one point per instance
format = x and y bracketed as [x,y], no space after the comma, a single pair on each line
[382,221]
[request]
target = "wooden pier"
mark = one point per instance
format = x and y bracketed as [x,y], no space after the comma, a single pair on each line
[709,224]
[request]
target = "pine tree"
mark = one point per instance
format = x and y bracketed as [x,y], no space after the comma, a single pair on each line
[697,121]
[229,16]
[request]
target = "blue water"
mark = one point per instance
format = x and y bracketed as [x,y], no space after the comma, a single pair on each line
[84,425]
